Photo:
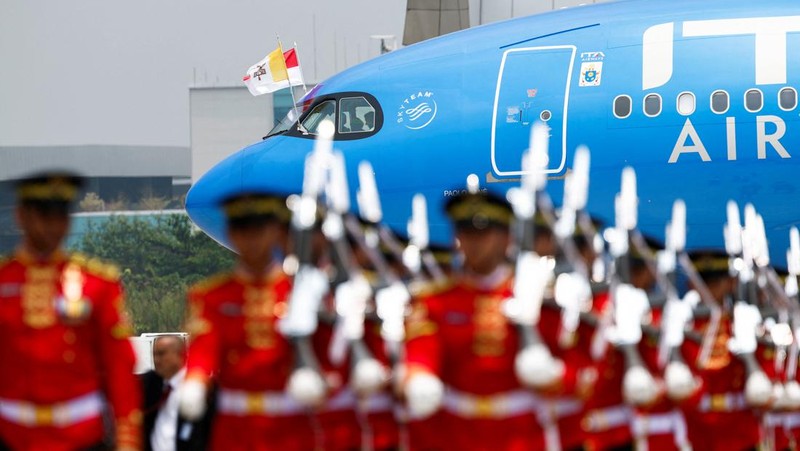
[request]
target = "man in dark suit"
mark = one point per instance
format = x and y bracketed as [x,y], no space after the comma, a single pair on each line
[164,429]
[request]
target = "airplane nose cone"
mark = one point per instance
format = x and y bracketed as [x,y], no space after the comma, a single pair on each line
[205,195]
[263,167]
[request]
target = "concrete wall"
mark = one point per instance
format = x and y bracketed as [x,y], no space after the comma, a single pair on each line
[224,120]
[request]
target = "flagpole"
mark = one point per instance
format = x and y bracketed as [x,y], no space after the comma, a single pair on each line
[291,88]
[297,55]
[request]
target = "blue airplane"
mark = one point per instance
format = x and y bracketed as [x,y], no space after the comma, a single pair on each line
[699,97]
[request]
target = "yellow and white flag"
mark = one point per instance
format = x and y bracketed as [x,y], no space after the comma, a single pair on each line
[277,71]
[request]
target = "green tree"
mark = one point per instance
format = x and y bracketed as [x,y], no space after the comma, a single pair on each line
[160,257]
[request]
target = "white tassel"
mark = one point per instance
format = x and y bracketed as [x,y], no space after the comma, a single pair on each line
[792,390]
[536,367]
[779,400]
[679,381]
[638,386]
[369,376]
[192,399]
[306,387]
[758,389]
[424,394]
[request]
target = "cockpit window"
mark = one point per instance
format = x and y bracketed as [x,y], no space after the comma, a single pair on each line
[356,115]
[325,110]
[284,124]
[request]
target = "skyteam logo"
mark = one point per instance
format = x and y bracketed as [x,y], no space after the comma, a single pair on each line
[417,110]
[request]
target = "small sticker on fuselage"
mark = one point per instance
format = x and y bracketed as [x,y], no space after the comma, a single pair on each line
[591,73]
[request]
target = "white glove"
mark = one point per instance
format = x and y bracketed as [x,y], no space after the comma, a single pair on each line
[679,381]
[746,319]
[638,386]
[192,399]
[572,294]
[533,274]
[424,394]
[306,387]
[677,314]
[758,389]
[630,306]
[309,287]
[369,376]
[351,303]
[390,303]
[536,367]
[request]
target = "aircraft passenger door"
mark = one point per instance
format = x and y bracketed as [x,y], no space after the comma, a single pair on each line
[533,84]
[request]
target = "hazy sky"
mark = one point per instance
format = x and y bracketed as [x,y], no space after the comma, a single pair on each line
[118,72]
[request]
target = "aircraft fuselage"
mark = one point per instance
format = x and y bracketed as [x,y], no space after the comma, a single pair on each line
[700,98]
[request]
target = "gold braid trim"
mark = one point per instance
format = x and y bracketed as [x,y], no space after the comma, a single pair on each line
[418,324]
[96,267]
[425,289]
[206,285]
[129,430]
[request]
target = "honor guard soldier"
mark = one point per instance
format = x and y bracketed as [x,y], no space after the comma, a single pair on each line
[564,402]
[722,418]
[606,424]
[233,322]
[658,425]
[338,420]
[461,349]
[64,334]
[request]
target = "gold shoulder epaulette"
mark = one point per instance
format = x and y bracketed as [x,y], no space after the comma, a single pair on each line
[96,267]
[210,283]
[431,288]
[78,258]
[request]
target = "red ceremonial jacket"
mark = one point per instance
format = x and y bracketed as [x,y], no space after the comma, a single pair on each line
[65,352]
[232,320]
[460,334]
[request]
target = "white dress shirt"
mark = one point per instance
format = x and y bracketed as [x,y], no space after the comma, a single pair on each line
[165,429]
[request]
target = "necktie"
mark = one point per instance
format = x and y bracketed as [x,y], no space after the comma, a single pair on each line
[166,390]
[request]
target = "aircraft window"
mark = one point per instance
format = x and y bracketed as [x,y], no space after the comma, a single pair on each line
[284,124]
[652,105]
[787,99]
[546,115]
[356,115]
[720,102]
[622,106]
[753,100]
[686,103]
[325,110]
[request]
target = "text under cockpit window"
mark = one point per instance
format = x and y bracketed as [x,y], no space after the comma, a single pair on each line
[356,115]
[325,110]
